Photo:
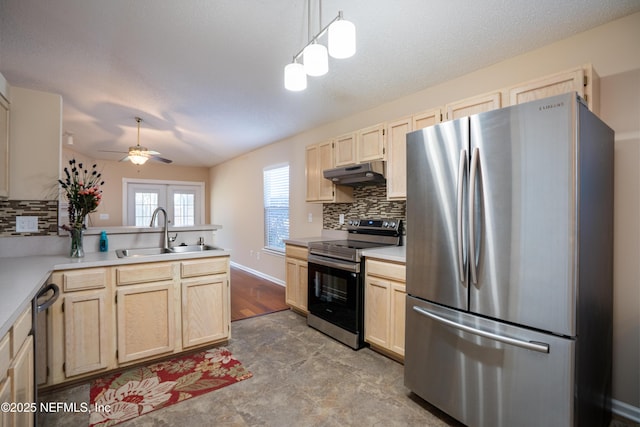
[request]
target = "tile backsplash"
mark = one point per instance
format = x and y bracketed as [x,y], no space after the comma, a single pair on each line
[369,202]
[45,210]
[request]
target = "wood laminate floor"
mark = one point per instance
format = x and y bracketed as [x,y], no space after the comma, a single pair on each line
[253,296]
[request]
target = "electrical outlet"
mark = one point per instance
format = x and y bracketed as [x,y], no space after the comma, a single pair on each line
[310,217]
[26,224]
[341,220]
[104,216]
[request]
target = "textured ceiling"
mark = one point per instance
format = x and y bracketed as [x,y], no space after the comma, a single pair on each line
[206,76]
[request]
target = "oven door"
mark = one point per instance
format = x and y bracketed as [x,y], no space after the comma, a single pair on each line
[335,292]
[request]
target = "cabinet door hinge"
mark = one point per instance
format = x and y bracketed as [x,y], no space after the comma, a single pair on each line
[64,367]
[384,132]
[585,81]
[116,354]
[116,298]
[440,116]
[63,306]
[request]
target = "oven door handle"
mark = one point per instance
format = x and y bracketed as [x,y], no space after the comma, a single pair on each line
[331,263]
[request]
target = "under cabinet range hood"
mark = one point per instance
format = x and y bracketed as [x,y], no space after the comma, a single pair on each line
[361,174]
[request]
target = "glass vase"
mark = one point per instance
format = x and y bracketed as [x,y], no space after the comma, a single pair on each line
[77,248]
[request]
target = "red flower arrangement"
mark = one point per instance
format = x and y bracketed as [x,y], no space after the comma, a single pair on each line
[82,190]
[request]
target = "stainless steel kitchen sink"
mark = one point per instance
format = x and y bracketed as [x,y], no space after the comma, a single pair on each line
[136,252]
[127,253]
[192,248]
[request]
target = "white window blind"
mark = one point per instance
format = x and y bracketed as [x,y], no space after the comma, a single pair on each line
[276,207]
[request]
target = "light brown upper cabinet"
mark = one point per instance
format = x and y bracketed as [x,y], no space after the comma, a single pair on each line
[345,150]
[4,147]
[371,143]
[474,105]
[397,149]
[318,158]
[583,80]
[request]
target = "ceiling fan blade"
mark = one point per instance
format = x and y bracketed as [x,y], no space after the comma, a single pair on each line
[111,151]
[161,159]
[151,152]
[124,159]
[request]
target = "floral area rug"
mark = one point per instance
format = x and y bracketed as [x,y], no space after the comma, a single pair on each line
[143,389]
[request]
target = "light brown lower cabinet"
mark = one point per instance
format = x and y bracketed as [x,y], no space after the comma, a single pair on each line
[110,317]
[17,372]
[86,326]
[6,417]
[204,316]
[384,311]
[22,373]
[296,293]
[145,321]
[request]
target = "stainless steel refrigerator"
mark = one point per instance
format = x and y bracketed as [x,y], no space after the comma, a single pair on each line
[510,266]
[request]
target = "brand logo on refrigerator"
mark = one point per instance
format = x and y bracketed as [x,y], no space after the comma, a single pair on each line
[550,106]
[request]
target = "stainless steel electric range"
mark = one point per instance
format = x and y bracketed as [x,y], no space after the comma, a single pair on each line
[336,278]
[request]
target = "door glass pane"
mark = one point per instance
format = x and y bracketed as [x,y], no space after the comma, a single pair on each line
[183,209]
[145,204]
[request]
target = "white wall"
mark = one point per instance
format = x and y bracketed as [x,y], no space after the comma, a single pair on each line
[612,49]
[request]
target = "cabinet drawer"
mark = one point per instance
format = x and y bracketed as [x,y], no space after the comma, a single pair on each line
[80,280]
[141,273]
[389,270]
[5,357]
[203,267]
[297,252]
[20,331]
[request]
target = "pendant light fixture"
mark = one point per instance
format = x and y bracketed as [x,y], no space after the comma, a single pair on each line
[295,79]
[342,38]
[342,44]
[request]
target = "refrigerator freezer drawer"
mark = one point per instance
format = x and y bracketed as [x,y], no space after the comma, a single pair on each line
[486,373]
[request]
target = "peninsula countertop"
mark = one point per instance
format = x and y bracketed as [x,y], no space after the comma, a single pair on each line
[22,277]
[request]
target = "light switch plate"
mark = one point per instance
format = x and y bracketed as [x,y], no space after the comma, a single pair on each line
[26,224]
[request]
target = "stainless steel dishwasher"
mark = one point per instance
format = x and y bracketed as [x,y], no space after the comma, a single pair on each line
[45,297]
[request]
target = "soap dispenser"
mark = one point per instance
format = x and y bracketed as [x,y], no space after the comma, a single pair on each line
[104,242]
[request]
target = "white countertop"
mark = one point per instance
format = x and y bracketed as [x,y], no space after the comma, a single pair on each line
[22,277]
[388,253]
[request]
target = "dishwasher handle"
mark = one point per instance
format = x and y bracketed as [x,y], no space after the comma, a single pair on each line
[529,345]
[49,302]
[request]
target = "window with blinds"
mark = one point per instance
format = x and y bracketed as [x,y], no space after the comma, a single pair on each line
[276,207]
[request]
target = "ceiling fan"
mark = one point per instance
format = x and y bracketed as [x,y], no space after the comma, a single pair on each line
[137,154]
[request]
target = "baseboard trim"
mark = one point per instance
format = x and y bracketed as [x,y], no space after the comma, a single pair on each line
[625,410]
[258,273]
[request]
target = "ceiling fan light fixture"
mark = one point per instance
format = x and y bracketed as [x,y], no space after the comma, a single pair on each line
[342,39]
[137,156]
[295,79]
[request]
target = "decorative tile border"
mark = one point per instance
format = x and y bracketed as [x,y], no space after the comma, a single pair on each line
[369,202]
[45,210]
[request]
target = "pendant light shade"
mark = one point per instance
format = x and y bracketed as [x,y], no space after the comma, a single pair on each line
[316,60]
[342,39]
[295,79]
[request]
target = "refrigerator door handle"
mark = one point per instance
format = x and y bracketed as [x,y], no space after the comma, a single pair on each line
[472,215]
[529,345]
[462,166]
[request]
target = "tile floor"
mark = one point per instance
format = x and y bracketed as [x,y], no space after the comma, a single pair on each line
[300,377]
